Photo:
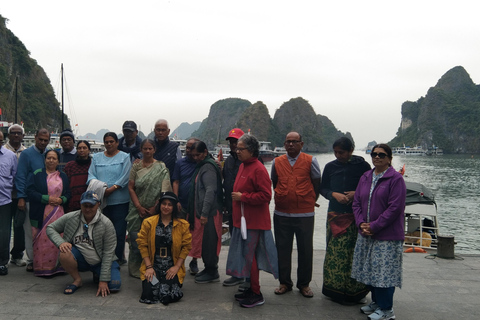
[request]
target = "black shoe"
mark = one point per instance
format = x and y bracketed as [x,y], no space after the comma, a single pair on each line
[208,277]
[193,267]
[233,281]
[252,301]
[243,295]
[3,270]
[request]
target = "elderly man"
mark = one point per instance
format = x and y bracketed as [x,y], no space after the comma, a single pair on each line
[88,244]
[296,179]
[8,169]
[14,144]
[30,160]
[68,152]
[166,150]
[130,142]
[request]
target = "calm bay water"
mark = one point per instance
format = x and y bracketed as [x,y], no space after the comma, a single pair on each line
[455,182]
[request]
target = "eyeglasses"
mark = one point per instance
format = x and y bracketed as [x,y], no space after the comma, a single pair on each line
[381,155]
[292,142]
[15,133]
[240,149]
[85,231]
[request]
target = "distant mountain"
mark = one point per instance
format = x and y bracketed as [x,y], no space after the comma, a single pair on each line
[94,136]
[185,130]
[37,104]
[447,117]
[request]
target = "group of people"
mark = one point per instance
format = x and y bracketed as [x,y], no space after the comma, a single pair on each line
[78,207]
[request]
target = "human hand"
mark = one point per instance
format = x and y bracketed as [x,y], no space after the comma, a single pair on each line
[149,273]
[171,272]
[340,197]
[350,195]
[65,247]
[103,289]
[142,212]
[365,229]
[21,204]
[236,196]
[203,220]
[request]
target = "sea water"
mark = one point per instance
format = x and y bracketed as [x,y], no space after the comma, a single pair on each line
[455,182]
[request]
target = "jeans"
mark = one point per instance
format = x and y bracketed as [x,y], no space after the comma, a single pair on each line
[5,232]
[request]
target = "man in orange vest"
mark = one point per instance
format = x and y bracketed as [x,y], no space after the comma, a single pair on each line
[296,179]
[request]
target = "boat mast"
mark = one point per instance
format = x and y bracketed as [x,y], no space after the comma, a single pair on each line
[16,98]
[62,99]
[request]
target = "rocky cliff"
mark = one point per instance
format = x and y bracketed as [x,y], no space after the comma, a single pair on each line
[447,117]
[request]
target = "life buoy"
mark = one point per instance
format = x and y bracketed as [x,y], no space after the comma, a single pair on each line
[415,249]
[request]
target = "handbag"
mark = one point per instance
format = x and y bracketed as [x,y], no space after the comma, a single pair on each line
[243,225]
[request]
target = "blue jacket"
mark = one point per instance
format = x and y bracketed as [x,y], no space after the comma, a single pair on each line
[30,160]
[387,206]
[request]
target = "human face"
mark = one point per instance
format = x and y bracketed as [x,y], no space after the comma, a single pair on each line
[199,156]
[89,210]
[130,136]
[42,140]
[342,155]
[188,149]
[67,143]
[15,136]
[293,144]
[82,151]
[379,163]
[166,207]
[147,151]
[110,144]
[242,152]
[51,161]
[161,131]
[233,144]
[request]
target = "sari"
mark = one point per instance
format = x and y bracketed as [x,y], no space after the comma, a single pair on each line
[45,253]
[150,181]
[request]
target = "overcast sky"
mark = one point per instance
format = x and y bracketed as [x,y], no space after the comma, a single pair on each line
[356,62]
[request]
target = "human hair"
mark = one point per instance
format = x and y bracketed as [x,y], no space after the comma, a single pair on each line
[85,142]
[193,139]
[175,214]
[16,126]
[199,146]
[53,150]
[251,143]
[344,143]
[159,121]
[385,147]
[42,131]
[148,141]
[110,134]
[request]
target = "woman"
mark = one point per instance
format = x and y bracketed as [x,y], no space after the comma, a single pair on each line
[113,167]
[77,173]
[251,196]
[147,179]
[379,206]
[340,179]
[48,193]
[205,199]
[164,241]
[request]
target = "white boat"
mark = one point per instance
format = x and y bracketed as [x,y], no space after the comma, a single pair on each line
[409,151]
[266,153]
[278,151]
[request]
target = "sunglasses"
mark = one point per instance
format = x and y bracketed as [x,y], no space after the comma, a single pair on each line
[381,155]
[85,231]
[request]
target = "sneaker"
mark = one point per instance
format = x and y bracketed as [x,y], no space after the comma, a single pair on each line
[18,262]
[369,308]
[233,281]
[243,295]
[252,301]
[193,267]
[207,277]
[3,270]
[244,286]
[380,314]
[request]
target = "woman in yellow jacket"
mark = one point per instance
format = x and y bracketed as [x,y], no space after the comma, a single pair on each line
[164,241]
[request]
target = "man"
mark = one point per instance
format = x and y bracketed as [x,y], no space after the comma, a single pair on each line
[68,152]
[166,150]
[130,142]
[182,177]
[88,244]
[14,144]
[229,172]
[30,160]
[8,169]
[296,180]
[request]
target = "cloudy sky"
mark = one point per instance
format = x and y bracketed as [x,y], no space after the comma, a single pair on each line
[356,62]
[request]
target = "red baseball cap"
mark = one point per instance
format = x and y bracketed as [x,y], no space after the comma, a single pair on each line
[235,133]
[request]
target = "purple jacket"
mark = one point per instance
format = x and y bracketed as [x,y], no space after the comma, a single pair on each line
[387,206]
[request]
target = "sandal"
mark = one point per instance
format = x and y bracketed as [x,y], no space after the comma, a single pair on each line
[282,289]
[72,289]
[30,267]
[306,292]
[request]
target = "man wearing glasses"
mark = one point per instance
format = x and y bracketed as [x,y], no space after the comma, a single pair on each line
[296,180]
[14,144]
[88,244]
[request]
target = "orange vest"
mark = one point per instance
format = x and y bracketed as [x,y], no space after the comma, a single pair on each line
[294,192]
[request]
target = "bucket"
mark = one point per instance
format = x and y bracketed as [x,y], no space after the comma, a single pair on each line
[445,247]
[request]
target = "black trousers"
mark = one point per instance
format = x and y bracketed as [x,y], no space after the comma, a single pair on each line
[302,228]
[209,247]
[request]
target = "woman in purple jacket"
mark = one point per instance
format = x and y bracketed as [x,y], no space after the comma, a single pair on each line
[379,207]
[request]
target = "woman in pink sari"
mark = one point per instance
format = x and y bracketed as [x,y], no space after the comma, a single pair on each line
[48,192]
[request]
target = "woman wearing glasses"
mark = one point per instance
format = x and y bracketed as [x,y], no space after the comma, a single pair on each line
[48,193]
[113,167]
[379,208]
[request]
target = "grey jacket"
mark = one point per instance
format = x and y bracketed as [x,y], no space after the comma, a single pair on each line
[206,204]
[104,237]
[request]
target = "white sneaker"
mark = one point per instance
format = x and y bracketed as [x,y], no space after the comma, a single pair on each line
[18,262]
[380,314]
[370,308]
